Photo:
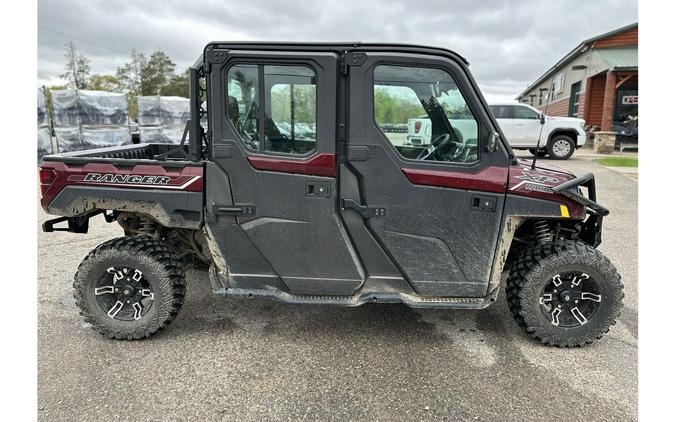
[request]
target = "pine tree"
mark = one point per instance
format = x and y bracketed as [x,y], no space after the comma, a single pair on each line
[157,73]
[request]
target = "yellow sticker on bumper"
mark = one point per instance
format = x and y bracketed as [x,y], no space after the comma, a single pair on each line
[564,211]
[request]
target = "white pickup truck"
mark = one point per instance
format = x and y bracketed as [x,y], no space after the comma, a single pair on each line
[521,125]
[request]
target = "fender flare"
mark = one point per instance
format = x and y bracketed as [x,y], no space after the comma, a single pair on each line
[557,131]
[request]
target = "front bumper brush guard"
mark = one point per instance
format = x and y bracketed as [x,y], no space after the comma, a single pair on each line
[570,190]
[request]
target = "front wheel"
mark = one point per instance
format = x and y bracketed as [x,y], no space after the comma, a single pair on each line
[564,294]
[130,287]
[561,147]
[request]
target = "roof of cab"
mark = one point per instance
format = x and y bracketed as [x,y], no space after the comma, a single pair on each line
[334,46]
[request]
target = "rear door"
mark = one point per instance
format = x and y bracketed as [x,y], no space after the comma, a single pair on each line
[436,211]
[271,185]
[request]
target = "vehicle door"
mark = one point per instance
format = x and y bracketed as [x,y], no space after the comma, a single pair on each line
[271,186]
[504,116]
[436,210]
[526,126]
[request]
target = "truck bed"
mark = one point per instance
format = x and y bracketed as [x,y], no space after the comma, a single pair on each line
[143,178]
[128,152]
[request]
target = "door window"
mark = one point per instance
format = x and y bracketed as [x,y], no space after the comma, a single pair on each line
[520,112]
[288,97]
[423,114]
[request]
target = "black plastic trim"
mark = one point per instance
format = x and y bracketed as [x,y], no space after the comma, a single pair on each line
[569,189]
[170,208]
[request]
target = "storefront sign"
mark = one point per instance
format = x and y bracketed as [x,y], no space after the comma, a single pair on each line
[629,100]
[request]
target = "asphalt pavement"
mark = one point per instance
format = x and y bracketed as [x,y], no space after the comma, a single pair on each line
[251,360]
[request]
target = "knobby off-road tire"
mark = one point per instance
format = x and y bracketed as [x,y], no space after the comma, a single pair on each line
[530,279]
[561,147]
[160,287]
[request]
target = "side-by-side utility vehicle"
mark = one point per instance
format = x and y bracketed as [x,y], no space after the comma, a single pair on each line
[349,215]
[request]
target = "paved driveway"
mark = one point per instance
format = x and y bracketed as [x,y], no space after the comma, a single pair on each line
[253,360]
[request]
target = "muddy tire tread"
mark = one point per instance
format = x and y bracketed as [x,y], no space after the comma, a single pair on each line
[171,279]
[531,262]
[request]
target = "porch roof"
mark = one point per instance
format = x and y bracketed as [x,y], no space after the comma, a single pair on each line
[619,58]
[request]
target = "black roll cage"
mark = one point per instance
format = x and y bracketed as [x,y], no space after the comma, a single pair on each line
[199,138]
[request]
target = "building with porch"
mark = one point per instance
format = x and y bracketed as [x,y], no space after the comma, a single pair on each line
[597,81]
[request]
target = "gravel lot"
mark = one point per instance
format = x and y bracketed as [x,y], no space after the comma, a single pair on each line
[225,359]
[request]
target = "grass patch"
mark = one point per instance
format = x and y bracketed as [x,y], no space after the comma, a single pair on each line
[618,161]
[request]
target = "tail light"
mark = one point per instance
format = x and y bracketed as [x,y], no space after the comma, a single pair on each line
[418,126]
[47,177]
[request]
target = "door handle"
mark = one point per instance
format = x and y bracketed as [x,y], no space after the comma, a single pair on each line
[485,203]
[237,209]
[317,189]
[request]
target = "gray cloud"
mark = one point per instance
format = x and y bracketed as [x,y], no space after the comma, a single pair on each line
[509,43]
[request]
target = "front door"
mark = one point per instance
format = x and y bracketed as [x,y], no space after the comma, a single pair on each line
[271,184]
[526,126]
[435,210]
[504,116]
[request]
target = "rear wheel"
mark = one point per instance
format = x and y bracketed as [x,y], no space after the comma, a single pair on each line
[537,152]
[565,294]
[130,288]
[561,147]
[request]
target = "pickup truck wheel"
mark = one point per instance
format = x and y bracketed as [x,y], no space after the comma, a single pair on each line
[561,147]
[565,294]
[538,153]
[130,288]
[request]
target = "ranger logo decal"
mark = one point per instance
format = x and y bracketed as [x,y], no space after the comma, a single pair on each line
[126,179]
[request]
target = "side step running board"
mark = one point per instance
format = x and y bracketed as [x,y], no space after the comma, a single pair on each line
[414,301]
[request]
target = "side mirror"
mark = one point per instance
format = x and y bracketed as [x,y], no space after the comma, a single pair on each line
[492,141]
[542,118]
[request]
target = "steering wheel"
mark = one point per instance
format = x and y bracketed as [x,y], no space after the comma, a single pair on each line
[429,153]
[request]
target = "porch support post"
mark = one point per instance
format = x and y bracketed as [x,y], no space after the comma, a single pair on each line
[608,103]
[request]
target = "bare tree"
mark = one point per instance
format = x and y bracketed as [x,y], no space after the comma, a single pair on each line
[129,74]
[77,68]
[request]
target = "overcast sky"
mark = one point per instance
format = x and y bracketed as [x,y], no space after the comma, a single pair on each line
[508,43]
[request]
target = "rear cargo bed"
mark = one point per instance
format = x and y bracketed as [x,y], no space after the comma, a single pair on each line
[145,152]
[143,178]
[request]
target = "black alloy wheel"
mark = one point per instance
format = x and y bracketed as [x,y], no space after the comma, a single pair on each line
[570,299]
